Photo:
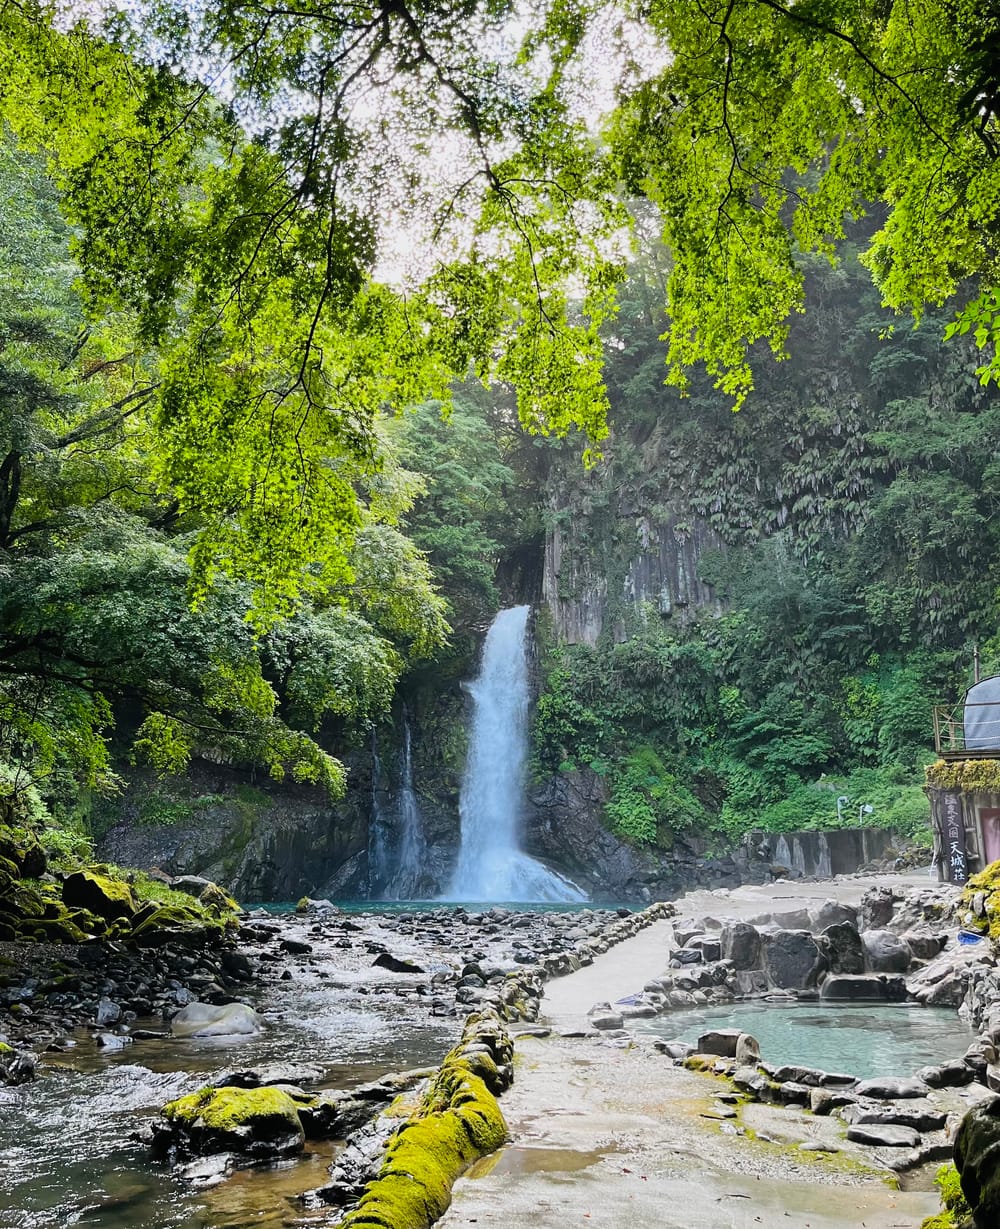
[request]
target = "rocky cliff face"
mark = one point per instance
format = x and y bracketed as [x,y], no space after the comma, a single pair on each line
[563,827]
[602,565]
[261,840]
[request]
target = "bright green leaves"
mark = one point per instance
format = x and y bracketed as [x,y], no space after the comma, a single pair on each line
[770,125]
[981,318]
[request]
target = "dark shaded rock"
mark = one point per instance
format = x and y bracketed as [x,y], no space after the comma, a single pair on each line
[832,913]
[16,1066]
[297,947]
[273,1073]
[871,987]
[842,945]
[885,952]
[740,943]
[792,960]
[108,898]
[877,907]
[977,1159]
[112,1041]
[396,964]
[720,1041]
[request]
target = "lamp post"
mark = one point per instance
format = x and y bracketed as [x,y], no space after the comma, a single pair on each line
[842,801]
[866,808]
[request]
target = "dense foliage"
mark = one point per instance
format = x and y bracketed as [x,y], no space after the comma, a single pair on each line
[854,564]
[96,579]
[235,240]
[312,212]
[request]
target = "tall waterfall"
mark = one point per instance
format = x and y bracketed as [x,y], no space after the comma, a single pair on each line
[491,864]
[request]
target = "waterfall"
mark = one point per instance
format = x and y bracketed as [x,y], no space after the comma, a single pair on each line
[782,854]
[410,823]
[491,865]
[397,846]
[378,830]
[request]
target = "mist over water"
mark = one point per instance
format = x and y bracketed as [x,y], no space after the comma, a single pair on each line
[491,864]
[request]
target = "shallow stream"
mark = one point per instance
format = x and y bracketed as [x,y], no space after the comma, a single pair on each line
[65,1142]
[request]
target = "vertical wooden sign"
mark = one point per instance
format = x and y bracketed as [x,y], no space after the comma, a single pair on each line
[953,836]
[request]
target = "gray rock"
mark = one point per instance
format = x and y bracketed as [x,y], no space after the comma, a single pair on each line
[273,1073]
[869,987]
[708,945]
[721,1041]
[107,1013]
[842,945]
[924,943]
[952,1074]
[209,1020]
[891,1088]
[885,952]
[792,960]
[206,1170]
[747,1050]
[673,1049]
[883,1136]
[606,1020]
[877,907]
[740,943]
[792,919]
[832,913]
[112,1041]
[923,1117]
[791,1093]
[16,1067]
[825,1100]
[813,1076]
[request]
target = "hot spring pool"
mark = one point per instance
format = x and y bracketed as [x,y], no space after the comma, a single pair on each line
[863,1039]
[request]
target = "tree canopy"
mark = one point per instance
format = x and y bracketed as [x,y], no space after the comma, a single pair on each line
[311,212]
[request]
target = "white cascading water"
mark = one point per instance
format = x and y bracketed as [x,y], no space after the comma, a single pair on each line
[412,842]
[491,865]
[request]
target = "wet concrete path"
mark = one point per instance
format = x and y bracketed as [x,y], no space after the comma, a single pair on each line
[617,1137]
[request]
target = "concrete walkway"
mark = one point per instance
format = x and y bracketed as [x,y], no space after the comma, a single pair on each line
[615,1136]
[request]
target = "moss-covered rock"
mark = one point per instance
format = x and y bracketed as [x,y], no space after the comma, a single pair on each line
[175,924]
[457,1122]
[982,914]
[977,1161]
[256,1123]
[100,893]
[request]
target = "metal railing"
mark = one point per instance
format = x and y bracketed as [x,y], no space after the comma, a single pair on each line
[967,728]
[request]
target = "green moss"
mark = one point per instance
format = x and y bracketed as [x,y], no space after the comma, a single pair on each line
[458,1121]
[987,882]
[983,775]
[100,892]
[701,1062]
[228,1109]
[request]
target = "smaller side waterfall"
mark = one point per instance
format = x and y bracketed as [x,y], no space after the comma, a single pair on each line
[412,852]
[491,865]
[397,845]
[379,830]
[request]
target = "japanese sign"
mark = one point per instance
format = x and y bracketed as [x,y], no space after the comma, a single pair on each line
[953,837]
